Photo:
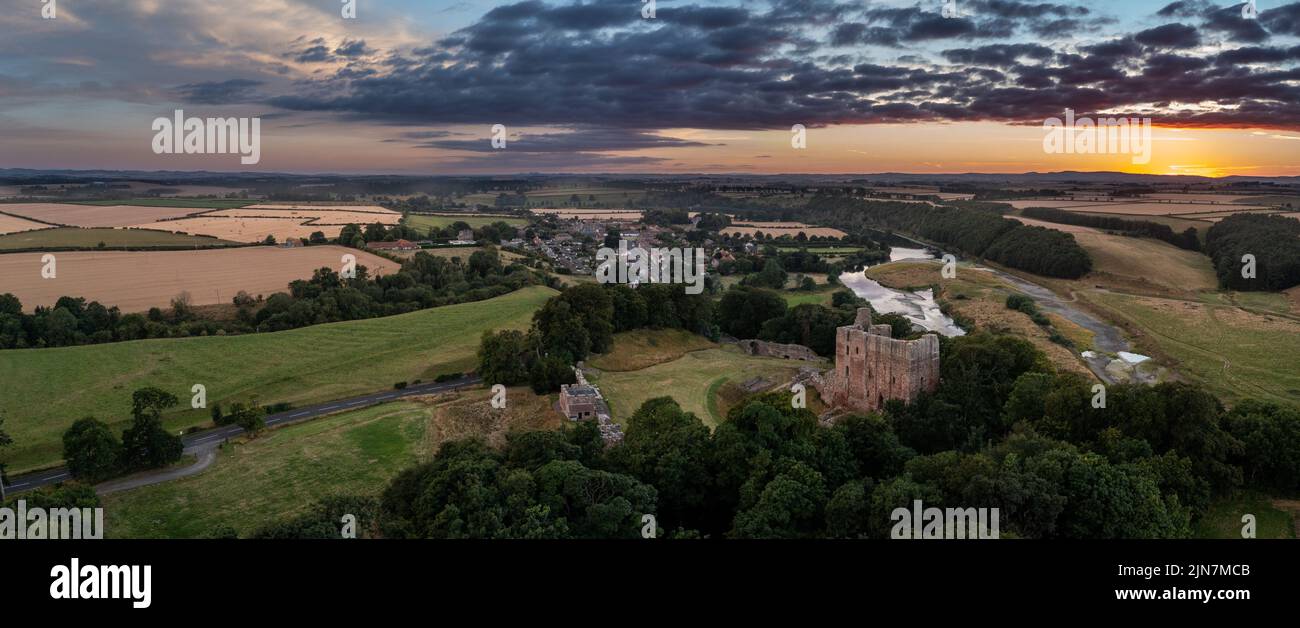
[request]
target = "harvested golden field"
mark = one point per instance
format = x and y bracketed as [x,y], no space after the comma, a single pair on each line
[244,229]
[14,224]
[313,216]
[375,209]
[96,215]
[1204,197]
[1023,203]
[1165,209]
[1054,225]
[138,280]
[790,231]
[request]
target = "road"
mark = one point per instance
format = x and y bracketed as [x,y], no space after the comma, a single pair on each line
[201,443]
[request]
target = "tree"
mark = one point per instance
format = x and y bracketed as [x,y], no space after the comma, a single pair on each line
[501,358]
[91,450]
[146,444]
[743,310]
[251,416]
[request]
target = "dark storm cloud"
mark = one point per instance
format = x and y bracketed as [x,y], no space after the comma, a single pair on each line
[1170,36]
[352,49]
[761,67]
[219,92]
[1283,20]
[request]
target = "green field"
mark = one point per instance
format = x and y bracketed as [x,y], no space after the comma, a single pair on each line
[201,203]
[819,297]
[425,221]
[45,390]
[277,474]
[1234,353]
[691,379]
[1223,519]
[73,237]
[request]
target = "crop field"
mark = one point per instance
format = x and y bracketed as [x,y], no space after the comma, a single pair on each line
[425,221]
[74,237]
[195,203]
[254,223]
[138,280]
[1164,209]
[244,229]
[1232,352]
[309,216]
[14,224]
[78,215]
[45,390]
[693,380]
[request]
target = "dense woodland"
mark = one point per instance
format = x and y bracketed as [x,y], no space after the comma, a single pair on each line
[1273,240]
[976,232]
[1188,239]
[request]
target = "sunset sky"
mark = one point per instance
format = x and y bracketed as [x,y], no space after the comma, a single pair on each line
[414,87]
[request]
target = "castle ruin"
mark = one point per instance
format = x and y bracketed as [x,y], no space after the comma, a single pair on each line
[872,367]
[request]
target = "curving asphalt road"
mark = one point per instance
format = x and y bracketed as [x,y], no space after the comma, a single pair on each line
[200,443]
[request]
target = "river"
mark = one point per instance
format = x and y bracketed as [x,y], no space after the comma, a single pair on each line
[919,306]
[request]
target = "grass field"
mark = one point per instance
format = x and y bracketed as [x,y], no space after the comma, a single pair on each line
[425,221]
[1223,519]
[280,473]
[1143,260]
[201,203]
[90,238]
[1234,353]
[642,348]
[691,379]
[45,390]
[277,474]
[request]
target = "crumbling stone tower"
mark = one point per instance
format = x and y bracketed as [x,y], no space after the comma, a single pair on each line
[872,367]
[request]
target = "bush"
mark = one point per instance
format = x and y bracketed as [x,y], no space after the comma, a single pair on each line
[447,377]
[399,385]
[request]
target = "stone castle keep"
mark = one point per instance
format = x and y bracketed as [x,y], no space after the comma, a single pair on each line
[871,367]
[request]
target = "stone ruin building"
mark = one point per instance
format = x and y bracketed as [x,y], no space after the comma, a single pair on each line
[871,367]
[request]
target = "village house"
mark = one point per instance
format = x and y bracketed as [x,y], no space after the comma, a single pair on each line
[398,245]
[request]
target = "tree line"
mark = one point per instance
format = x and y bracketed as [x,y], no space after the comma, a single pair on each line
[1188,239]
[977,232]
[1273,241]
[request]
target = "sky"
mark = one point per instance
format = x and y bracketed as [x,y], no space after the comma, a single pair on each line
[597,86]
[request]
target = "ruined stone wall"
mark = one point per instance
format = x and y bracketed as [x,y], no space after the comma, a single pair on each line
[778,350]
[871,367]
